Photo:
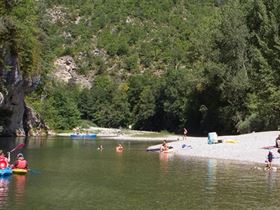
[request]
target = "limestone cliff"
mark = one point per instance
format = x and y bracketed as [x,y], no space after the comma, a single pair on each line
[13,87]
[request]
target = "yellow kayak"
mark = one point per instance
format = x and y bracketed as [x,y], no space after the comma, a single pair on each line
[20,171]
[231,141]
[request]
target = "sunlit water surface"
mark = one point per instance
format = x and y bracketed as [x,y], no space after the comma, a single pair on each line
[72,174]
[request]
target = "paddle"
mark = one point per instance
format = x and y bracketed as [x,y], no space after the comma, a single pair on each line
[19,146]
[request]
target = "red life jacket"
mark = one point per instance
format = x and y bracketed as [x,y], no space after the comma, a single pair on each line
[22,164]
[3,162]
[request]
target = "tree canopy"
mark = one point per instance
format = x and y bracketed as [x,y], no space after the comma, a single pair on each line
[209,65]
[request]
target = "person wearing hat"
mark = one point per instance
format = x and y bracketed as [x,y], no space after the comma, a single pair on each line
[20,163]
[4,162]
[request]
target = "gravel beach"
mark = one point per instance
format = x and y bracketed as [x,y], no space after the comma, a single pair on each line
[247,148]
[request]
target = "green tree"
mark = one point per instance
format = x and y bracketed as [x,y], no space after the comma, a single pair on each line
[60,109]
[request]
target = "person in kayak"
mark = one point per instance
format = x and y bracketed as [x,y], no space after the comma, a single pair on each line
[4,162]
[20,163]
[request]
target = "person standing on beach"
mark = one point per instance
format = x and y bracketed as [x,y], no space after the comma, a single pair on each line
[269,159]
[277,141]
[185,134]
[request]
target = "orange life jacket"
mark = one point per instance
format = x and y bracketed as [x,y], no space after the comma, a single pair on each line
[22,164]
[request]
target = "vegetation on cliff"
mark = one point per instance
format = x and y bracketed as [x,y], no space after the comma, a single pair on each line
[161,65]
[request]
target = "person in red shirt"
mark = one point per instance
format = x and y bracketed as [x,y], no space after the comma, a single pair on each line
[20,163]
[4,162]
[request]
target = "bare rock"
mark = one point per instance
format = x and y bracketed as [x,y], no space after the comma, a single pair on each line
[34,125]
[65,71]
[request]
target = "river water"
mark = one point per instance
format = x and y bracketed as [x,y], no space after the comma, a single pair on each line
[72,174]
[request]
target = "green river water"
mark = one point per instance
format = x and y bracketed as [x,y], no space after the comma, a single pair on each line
[72,174]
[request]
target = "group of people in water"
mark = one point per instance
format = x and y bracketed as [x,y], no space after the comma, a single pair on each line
[119,148]
[19,163]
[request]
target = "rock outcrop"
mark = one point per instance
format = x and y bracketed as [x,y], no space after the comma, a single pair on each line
[65,71]
[33,124]
[16,118]
[13,87]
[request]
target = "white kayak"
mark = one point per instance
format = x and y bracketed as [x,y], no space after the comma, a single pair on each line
[168,151]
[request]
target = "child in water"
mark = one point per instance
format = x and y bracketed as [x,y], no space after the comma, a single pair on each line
[119,148]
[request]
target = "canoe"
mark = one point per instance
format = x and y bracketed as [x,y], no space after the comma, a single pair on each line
[83,136]
[6,171]
[20,171]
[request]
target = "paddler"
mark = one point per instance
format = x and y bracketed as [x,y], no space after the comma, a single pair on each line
[20,163]
[4,162]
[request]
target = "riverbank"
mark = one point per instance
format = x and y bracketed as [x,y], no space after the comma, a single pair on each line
[246,148]
[126,134]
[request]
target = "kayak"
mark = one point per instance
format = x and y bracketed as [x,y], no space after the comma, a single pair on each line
[156,149]
[168,151]
[20,171]
[232,141]
[83,136]
[6,171]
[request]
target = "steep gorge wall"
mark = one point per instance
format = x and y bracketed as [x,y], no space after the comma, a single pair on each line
[16,119]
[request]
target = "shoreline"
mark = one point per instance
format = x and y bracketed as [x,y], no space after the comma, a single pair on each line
[245,148]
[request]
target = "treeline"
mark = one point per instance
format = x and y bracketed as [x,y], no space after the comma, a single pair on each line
[144,101]
[164,65]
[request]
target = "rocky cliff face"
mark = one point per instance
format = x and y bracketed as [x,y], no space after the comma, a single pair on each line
[65,71]
[13,88]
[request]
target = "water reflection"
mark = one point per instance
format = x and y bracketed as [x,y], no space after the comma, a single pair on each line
[9,143]
[35,143]
[271,180]
[19,184]
[211,174]
[164,158]
[4,191]
[211,181]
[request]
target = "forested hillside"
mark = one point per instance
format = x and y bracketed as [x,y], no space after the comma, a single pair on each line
[208,65]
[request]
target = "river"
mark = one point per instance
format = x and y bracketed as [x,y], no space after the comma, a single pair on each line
[73,174]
